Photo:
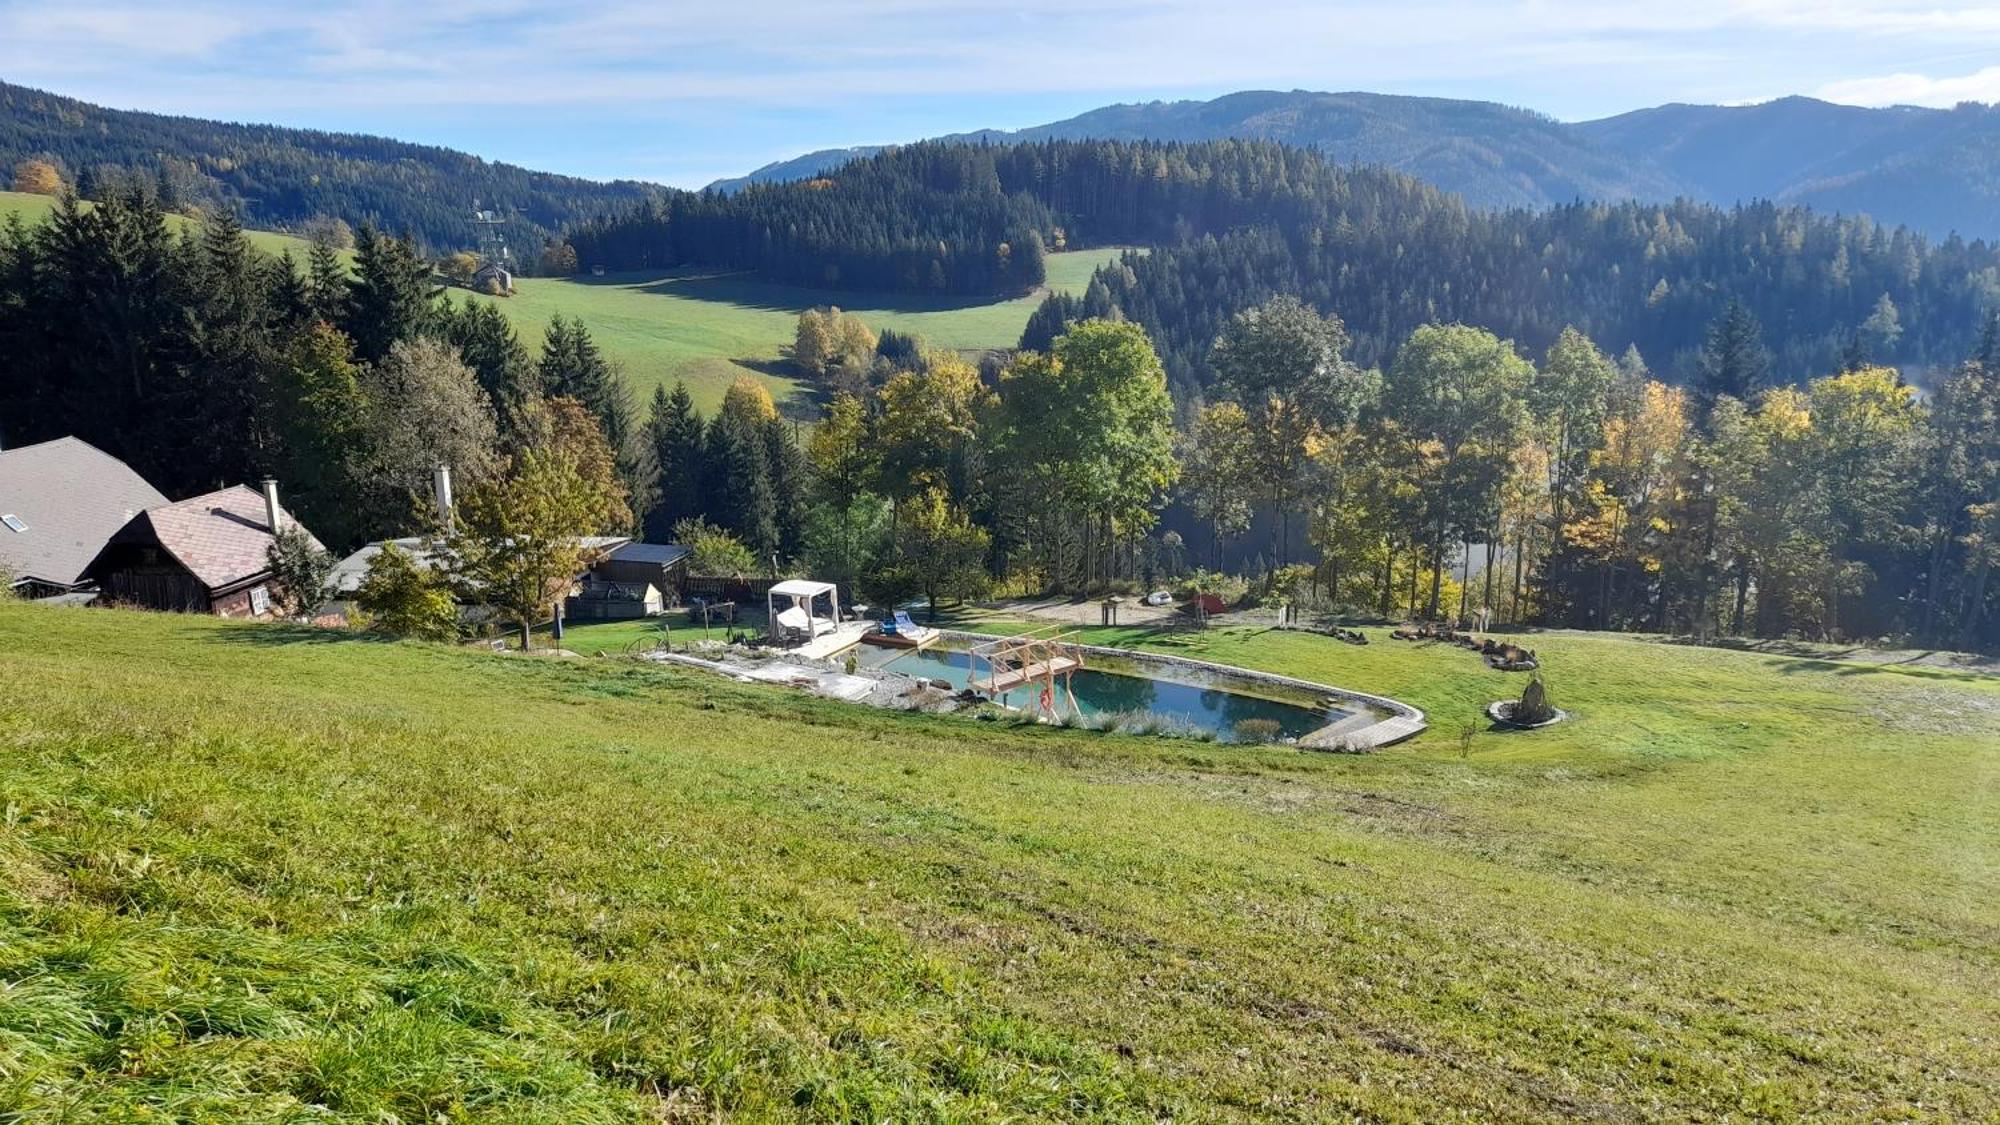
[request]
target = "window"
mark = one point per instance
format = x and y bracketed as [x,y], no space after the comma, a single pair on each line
[13,522]
[260,601]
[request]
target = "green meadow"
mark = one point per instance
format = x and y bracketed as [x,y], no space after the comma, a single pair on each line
[709,329]
[257,872]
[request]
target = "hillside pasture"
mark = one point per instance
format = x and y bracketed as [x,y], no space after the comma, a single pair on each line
[37,208]
[708,328]
[258,872]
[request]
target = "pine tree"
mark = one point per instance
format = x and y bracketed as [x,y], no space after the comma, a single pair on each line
[786,465]
[326,284]
[679,449]
[486,341]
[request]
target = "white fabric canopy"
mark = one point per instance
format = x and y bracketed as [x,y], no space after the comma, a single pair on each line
[801,588]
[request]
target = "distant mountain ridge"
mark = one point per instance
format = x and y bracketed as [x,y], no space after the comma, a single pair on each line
[1935,170]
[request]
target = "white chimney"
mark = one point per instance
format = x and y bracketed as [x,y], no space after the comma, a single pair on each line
[441,487]
[273,515]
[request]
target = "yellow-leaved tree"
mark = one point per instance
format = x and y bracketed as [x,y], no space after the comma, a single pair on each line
[37,177]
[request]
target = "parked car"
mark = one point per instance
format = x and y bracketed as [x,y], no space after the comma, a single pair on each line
[1158,597]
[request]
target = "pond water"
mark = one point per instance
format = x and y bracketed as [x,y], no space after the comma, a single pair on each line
[1102,692]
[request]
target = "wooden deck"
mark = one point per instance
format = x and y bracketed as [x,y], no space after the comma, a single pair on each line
[922,641]
[828,645]
[1028,673]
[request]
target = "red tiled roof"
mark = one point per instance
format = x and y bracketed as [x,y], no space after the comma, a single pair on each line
[221,537]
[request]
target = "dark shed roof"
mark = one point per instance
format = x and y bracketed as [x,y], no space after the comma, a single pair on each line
[659,554]
[68,497]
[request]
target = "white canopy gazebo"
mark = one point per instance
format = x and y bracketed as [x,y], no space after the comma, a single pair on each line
[798,618]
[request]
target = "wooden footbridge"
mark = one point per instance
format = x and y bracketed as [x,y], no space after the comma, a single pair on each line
[1028,660]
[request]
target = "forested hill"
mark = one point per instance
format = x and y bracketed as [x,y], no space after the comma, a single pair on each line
[1935,170]
[282,179]
[1827,291]
[1235,222]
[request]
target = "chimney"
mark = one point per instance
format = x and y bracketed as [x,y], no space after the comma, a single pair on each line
[441,487]
[273,515]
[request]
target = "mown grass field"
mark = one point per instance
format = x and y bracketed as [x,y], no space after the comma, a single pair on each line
[708,328]
[257,873]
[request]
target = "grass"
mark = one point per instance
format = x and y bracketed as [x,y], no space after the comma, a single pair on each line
[36,208]
[708,328]
[255,871]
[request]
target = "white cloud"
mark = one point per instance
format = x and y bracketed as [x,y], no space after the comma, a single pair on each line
[1916,89]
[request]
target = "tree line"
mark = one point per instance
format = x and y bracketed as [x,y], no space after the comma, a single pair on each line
[1232,223]
[1464,474]
[203,362]
[1464,481]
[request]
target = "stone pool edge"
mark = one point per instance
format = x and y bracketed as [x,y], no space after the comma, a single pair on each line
[1404,721]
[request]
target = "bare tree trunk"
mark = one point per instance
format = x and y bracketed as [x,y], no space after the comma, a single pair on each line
[1488,606]
[1465,577]
[1386,599]
[1521,547]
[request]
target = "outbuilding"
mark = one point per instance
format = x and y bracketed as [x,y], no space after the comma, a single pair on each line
[663,566]
[60,501]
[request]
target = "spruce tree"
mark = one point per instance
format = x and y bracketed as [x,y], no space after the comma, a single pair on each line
[786,465]
[1733,360]
[740,499]
[678,441]
[389,298]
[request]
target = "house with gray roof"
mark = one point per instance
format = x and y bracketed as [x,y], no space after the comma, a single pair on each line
[60,501]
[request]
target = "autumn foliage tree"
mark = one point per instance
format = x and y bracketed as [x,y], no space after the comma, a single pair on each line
[37,177]
[518,541]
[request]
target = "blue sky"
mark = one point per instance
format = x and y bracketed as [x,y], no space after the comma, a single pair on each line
[682,93]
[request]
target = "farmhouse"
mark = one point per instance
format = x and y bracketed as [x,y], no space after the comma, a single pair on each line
[207,554]
[59,502]
[493,278]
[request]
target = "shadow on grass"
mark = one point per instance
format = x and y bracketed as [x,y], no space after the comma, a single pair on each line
[1898,668]
[746,290]
[285,634]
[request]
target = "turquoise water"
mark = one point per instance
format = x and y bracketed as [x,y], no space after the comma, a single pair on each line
[1099,692]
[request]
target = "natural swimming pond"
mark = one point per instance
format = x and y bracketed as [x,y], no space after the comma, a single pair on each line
[1211,706]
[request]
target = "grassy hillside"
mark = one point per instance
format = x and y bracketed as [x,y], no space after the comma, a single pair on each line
[246,870]
[708,328]
[36,208]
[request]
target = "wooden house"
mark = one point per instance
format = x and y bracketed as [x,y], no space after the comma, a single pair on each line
[207,554]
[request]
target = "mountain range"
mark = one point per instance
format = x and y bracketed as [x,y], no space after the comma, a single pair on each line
[1935,170]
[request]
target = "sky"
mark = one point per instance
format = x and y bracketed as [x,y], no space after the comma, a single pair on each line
[683,93]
